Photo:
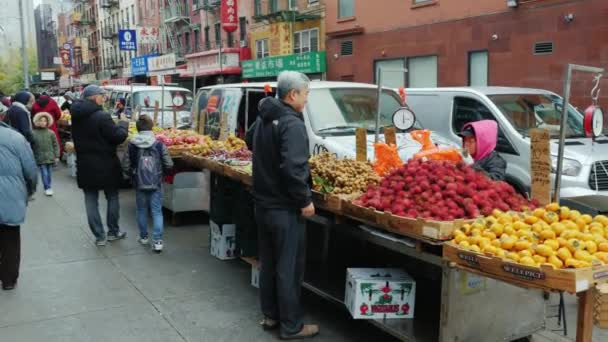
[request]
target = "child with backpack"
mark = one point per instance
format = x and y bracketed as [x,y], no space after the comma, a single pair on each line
[145,162]
[45,148]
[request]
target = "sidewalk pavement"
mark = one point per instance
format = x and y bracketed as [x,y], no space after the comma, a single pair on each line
[71,290]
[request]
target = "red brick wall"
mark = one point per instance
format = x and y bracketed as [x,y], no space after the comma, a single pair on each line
[511,58]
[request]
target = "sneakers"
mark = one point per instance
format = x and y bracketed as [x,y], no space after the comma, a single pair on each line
[308,331]
[118,236]
[143,241]
[158,246]
[48,192]
[100,242]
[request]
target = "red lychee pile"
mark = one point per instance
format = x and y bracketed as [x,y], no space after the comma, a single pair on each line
[441,190]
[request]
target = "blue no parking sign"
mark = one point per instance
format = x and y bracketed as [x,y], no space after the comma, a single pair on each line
[127,40]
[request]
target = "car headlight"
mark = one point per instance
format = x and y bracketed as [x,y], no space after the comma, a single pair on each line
[570,167]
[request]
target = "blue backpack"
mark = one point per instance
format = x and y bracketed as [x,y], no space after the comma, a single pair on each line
[149,169]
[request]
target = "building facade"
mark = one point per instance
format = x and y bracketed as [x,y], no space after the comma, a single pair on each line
[45,35]
[468,42]
[287,34]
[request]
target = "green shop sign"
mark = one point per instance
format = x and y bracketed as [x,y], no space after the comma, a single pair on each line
[308,63]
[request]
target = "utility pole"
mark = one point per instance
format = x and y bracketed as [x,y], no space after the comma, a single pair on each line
[26,74]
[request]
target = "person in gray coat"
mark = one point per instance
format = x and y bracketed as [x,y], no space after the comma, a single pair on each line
[18,178]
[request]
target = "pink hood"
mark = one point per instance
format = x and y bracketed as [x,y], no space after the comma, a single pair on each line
[486,136]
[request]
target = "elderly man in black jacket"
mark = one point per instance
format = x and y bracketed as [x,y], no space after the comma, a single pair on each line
[96,137]
[281,189]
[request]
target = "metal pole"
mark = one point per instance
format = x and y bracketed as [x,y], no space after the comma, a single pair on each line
[162,103]
[194,79]
[221,64]
[26,73]
[564,121]
[377,130]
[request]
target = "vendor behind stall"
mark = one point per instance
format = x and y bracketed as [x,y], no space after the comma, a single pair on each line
[121,107]
[479,140]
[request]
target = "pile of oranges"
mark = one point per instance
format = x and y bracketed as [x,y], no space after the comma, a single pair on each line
[554,235]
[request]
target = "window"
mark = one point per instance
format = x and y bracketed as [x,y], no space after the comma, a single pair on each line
[478,68]
[133,14]
[391,77]
[422,72]
[293,4]
[346,8]
[243,28]
[261,47]
[207,41]
[467,110]
[197,40]
[306,41]
[218,34]
[230,39]
[257,7]
[273,6]
[187,42]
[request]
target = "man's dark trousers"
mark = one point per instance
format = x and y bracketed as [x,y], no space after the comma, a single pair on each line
[282,250]
[10,254]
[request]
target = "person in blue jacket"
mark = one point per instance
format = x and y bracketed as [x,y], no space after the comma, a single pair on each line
[18,116]
[18,178]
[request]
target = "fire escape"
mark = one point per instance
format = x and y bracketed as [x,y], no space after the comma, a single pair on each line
[175,20]
[84,21]
[110,34]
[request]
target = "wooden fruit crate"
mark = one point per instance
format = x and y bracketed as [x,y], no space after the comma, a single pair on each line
[238,175]
[176,151]
[329,202]
[544,277]
[435,230]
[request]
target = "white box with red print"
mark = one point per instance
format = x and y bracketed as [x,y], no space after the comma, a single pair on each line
[377,293]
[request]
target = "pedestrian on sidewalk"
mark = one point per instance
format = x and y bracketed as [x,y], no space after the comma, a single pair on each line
[96,137]
[46,149]
[18,116]
[145,162]
[46,104]
[18,177]
[281,190]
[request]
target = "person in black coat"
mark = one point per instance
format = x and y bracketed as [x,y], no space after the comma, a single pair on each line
[18,116]
[96,137]
[282,196]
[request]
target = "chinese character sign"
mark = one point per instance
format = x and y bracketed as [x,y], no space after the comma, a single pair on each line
[84,41]
[127,40]
[66,58]
[230,15]
[147,35]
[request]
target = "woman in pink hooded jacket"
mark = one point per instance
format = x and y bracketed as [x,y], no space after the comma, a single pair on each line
[479,139]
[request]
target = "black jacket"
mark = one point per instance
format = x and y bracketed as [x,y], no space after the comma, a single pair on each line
[96,137]
[19,118]
[281,175]
[493,165]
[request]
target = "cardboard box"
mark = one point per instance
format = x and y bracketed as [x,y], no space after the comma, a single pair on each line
[378,293]
[255,276]
[223,241]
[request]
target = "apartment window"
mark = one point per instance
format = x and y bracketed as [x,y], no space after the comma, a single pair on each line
[243,28]
[133,14]
[293,4]
[478,68]
[179,42]
[273,6]
[197,40]
[346,8]
[422,72]
[390,77]
[306,41]
[187,41]
[126,18]
[218,34]
[230,39]
[257,7]
[207,41]
[261,48]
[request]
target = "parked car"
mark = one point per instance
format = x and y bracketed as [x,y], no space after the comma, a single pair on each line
[144,97]
[517,110]
[333,113]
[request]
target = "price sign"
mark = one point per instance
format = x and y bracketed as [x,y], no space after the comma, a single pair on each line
[361,143]
[540,165]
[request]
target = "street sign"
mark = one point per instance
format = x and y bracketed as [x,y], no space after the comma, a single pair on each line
[127,40]
[162,65]
[139,65]
[307,63]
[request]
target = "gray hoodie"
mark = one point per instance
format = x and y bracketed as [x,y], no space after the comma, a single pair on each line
[145,139]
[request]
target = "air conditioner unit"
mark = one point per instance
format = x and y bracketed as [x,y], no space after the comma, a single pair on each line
[243,43]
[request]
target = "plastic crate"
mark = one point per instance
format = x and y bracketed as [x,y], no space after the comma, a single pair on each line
[224,193]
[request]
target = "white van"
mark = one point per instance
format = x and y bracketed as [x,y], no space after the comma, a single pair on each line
[143,97]
[333,113]
[517,110]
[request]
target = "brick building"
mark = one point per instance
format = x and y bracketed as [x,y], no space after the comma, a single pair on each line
[468,42]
